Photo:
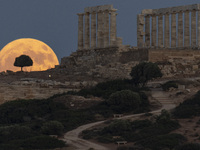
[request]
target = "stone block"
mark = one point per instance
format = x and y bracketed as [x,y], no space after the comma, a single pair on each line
[195,67]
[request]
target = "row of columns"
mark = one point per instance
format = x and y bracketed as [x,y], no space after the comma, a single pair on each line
[162,39]
[102,29]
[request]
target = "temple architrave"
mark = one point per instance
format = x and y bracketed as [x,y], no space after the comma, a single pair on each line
[97,28]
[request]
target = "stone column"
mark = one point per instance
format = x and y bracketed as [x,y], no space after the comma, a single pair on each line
[173,29]
[180,29]
[147,31]
[80,31]
[87,30]
[140,30]
[153,31]
[106,28]
[100,36]
[113,27]
[186,29]
[198,28]
[160,30]
[93,29]
[166,40]
[193,28]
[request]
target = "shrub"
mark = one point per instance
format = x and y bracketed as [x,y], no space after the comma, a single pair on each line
[42,142]
[189,146]
[189,108]
[52,128]
[124,101]
[163,141]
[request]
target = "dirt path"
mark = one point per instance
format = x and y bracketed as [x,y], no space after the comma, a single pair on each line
[72,137]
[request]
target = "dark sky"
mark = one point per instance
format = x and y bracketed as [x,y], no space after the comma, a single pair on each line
[55,21]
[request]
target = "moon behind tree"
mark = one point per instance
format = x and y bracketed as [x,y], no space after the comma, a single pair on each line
[42,55]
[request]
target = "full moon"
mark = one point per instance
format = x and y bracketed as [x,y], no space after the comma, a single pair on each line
[42,55]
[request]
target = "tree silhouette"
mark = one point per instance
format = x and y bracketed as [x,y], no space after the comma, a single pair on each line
[143,72]
[23,61]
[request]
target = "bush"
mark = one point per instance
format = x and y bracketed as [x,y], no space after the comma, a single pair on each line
[124,101]
[42,142]
[166,86]
[189,146]
[13,132]
[163,141]
[52,128]
[189,108]
[105,89]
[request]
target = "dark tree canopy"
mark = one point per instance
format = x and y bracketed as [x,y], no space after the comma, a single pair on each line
[23,61]
[144,72]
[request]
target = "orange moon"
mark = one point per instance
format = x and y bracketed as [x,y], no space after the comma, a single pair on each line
[42,55]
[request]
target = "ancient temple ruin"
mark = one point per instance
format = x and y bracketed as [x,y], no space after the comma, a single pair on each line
[174,27]
[102,31]
[168,36]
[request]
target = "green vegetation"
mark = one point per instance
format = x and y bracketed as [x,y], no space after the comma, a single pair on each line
[124,101]
[105,89]
[189,146]
[23,61]
[151,134]
[189,108]
[144,72]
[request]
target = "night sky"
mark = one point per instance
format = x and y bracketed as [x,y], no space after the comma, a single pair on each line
[55,21]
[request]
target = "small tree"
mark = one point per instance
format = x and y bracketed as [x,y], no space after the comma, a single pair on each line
[144,72]
[23,61]
[124,101]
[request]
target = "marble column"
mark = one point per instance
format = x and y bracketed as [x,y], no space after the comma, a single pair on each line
[193,28]
[173,29]
[160,30]
[186,29]
[180,29]
[147,31]
[100,42]
[80,31]
[198,28]
[113,27]
[87,30]
[106,28]
[153,31]
[166,39]
[93,29]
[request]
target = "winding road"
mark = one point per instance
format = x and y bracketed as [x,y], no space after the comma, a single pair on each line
[72,137]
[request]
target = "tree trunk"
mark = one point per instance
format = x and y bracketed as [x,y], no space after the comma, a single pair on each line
[21,69]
